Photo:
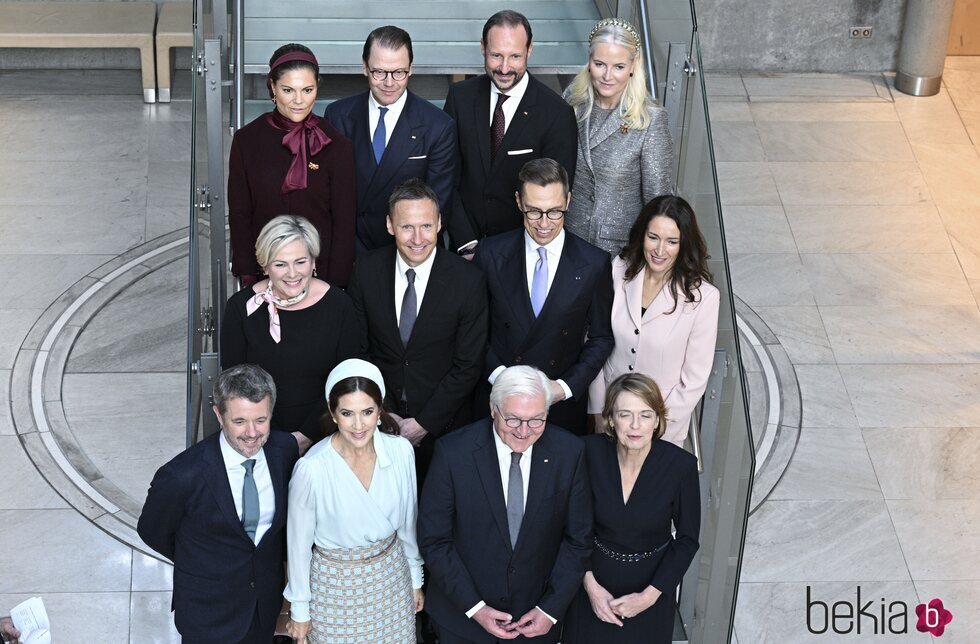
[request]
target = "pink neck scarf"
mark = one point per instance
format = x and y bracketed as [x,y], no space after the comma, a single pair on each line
[255,303]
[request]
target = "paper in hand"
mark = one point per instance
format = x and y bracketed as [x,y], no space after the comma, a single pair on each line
[31,619]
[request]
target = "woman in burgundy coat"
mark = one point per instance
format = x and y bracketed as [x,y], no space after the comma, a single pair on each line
[290,161]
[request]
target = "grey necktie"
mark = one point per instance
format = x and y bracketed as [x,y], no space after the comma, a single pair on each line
[406,319]
[515,497]
[250,501]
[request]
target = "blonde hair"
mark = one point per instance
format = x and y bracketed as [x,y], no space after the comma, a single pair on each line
[634,104]
[283,230]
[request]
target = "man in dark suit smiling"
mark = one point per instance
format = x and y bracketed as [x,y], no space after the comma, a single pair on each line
[550,296]
[218,511]
[503,119]
[396,135]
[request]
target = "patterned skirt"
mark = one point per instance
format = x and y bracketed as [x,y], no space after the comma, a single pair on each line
[362,595]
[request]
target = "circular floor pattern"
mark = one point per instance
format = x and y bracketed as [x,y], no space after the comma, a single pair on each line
[38,391]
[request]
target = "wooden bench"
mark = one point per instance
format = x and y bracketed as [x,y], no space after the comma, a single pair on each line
[103,25]
[174,29]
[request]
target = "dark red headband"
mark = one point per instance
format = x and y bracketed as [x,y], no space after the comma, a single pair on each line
[294,55]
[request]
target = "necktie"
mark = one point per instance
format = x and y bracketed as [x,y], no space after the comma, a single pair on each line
[250,501]
[539,283]
[378,142]
[497,128]
[406,320]
[515,497]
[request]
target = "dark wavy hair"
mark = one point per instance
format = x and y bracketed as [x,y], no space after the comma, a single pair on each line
[691,266]
[349,386]
[276,74]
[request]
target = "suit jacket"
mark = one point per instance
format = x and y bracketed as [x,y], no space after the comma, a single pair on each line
[443,360]
[422,145]
[616,174]
[220,576]
[464,536]
[543,127]
[676,349]
[257,165]
[571,338]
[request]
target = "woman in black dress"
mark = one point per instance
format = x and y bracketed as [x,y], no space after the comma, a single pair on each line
[640,485]
[293,325]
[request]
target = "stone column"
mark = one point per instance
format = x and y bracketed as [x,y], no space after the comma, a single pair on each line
[923,53]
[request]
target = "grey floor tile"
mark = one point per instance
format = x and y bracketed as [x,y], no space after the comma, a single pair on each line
[67,554]
[151,621]
[6,420]
[57,140]
[723,84]
[930,118]
[22,487]
[801,331]
[60,271]
[169,183]
[900,395]
[761,85]
[156,310]
[92,229]
[758,229]
[776,613]
[14,325]
[742,183]
[903,334]
[849,183]
[171,141]
[81,618]
[886,279]
[823,112]
[736,141]
[770,279]
[829,464]
[822,541]
[926,463]
[834,141]
[141,438]
[952,172]
[73,183]
[722,112]
[939,537]
[161,220]
[962,599]
[151,575]
[825,399]
[869,229]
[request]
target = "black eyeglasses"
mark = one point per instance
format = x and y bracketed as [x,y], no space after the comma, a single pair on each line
[396,74]
[534,214]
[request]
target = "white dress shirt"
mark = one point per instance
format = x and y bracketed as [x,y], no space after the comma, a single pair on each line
[329,507]
[263,483]
[503,461]
[391,116]
[422,273]
[553,249]
[509,107]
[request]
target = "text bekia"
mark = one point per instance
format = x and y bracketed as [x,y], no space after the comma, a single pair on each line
[844,617]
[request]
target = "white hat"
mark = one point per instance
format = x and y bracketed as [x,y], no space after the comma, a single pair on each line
[355,367]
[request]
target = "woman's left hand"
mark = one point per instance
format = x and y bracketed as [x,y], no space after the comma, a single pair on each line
[635,603]
[419,598]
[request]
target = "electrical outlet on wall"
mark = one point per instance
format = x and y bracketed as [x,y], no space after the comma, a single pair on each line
[860,32]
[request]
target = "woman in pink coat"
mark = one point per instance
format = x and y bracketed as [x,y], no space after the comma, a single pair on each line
[665,312]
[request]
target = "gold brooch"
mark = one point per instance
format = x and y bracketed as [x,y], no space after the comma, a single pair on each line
[313,166]
[623,128]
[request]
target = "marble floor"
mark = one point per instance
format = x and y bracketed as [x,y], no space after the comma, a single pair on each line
[877,323]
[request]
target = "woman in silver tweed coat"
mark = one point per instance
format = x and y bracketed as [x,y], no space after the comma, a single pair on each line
[625,155]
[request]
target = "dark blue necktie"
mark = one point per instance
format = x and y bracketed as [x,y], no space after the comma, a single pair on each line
[378,142]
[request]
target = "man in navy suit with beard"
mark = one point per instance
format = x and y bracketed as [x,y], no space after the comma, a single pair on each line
[218,511]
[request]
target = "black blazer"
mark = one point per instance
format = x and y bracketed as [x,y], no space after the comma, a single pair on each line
[571,338]
[465,541]
[423,145]
[543,127]
[443,361]
[220,576]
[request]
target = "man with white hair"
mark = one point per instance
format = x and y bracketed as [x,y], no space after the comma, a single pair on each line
[505,521]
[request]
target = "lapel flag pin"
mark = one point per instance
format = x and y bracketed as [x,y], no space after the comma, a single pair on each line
[525,113]
[413,136]
[545,460]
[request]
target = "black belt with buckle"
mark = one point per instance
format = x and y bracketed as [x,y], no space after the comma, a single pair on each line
[628,558]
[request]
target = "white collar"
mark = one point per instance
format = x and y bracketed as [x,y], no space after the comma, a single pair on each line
[553,247]
[380,448]
[232,458]
[422,271]
[503,451]
[516,92]
[394,110]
